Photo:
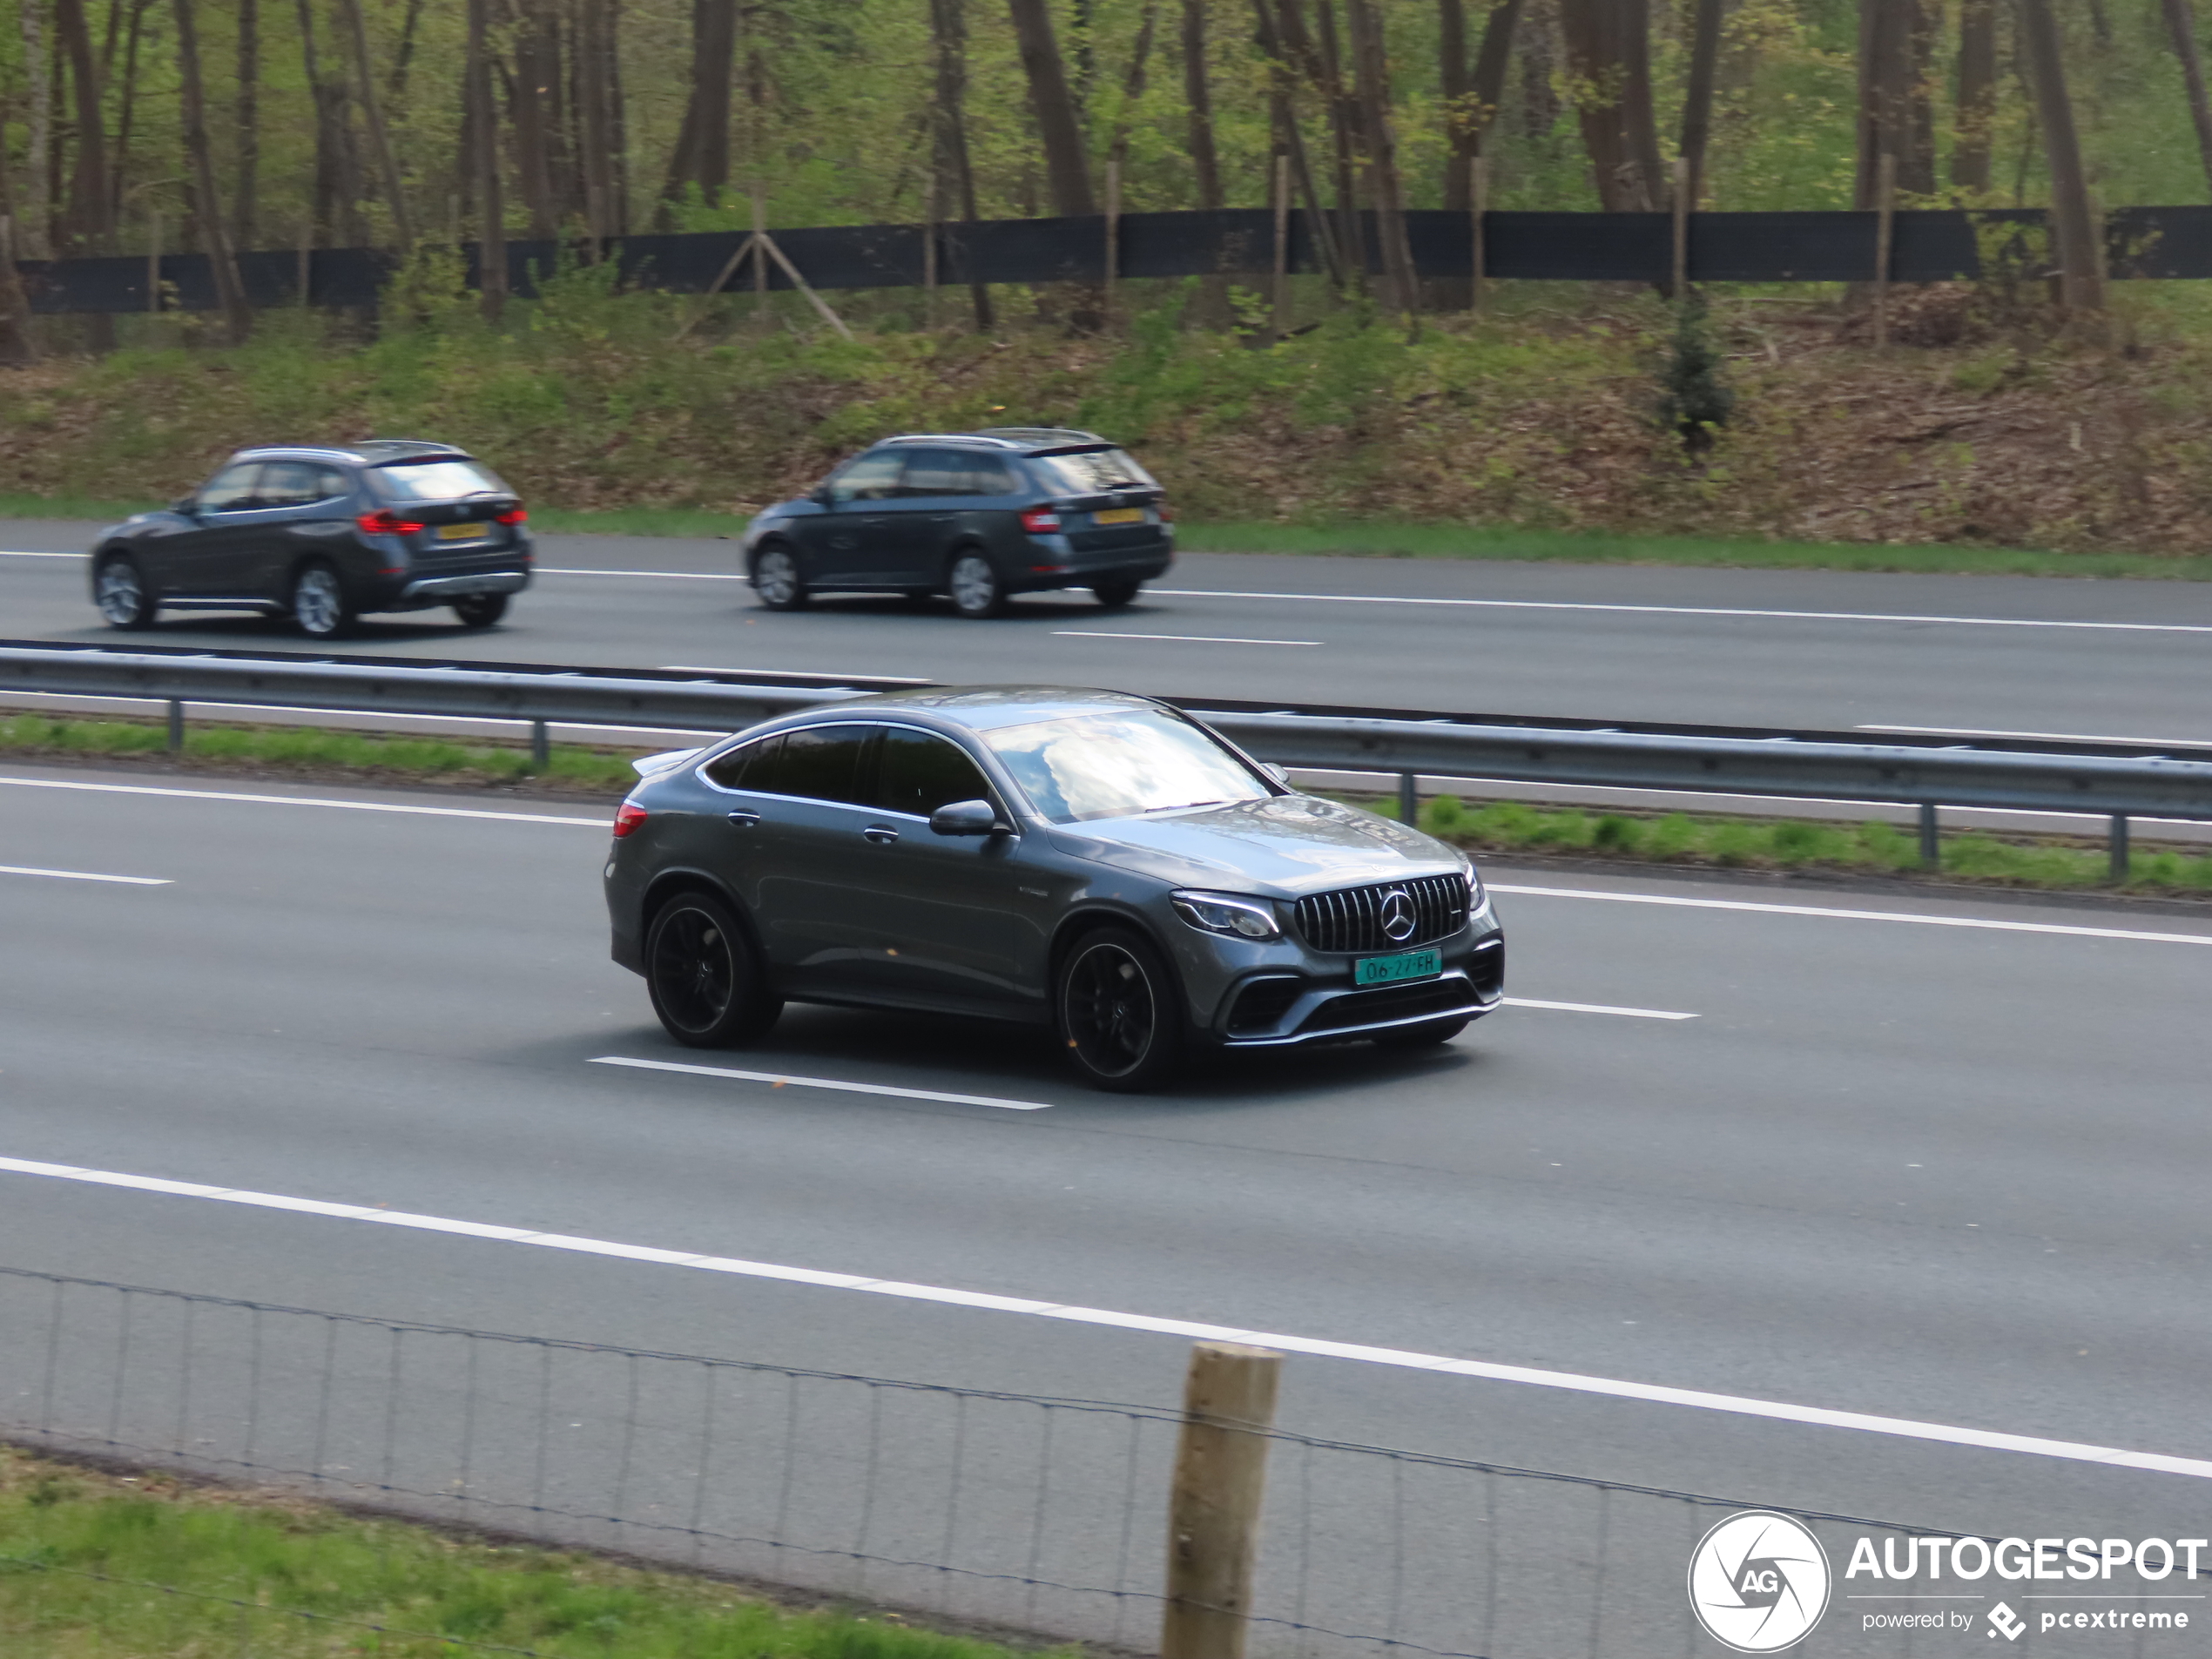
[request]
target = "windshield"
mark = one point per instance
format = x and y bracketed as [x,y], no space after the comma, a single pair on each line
[1120,765]
[446,478]
[1086,472]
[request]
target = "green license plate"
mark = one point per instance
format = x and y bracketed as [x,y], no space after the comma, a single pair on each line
[1389,970]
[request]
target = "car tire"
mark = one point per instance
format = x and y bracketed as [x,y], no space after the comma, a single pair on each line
[704,976]
[321,609]
[1119,1012]
[974,583]
[120,590]
[1114,595]
[480,610]
[1429,1033]
[776,581]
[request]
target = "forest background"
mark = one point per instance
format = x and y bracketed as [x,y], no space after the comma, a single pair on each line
[2005,413]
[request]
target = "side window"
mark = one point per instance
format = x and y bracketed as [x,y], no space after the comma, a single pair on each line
[230,490]
[874,476]
[330,482]
[918,772]
[746,768]
[820,763]
[938,472]
[286,483]
[989,475]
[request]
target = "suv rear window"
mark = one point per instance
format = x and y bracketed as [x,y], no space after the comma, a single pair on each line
[1087,472]
[445,478]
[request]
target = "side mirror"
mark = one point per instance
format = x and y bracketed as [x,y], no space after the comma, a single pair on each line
[185,504]
[965,818]
[820,494]
[1280,774]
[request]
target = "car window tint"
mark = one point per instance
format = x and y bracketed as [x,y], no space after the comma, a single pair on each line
[329,481]
[231,490]
[744,768]
[446,478]
[989,475]
[918,772]
[1119,765]
[288,483]
[938,472]
[874,476]
[819,763]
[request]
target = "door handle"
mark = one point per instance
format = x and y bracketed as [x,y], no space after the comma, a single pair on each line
[744,820]
[881,834]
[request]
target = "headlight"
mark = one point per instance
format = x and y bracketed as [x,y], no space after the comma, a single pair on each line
[1476,897]
[1222,912]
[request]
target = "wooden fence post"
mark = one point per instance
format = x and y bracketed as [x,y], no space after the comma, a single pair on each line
[1213,1507]
[1279,316]
[1678,277]
[1479,265]
[1884,245]
[1113,236]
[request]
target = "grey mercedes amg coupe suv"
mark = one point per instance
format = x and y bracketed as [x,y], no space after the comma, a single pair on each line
[1087,860]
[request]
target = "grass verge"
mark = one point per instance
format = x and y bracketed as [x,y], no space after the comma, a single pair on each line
[98,1564]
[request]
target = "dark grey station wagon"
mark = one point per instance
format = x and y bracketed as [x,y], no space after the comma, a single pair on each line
[1093,862]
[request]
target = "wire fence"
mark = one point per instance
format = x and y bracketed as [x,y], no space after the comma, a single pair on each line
[1039,1514]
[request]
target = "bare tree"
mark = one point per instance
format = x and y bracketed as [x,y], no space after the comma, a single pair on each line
[491,239]
[2082,280]
[598,135]
[701,155]
[249,119]
[1895,114]
[33,229]
[403,58]
[1471,99]
[1386,188]
[127,112]
[534,104]
[1698,99]
[1066,163]
[1197,100]
[16,346]
[206,202]
[952,179]
[1976,113]
[1609,54]
[333,214]
[90,200]
[1288,139]
[380,140]
[2181,28]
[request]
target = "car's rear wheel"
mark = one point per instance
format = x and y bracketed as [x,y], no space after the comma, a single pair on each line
[704,976]
[1119,1012]
[974,583]
[1428,1034]
[776,581]
[121,593]
[320,606]
[1115,594]
[480,610]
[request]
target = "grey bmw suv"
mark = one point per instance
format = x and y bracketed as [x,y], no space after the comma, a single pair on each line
[1093,862]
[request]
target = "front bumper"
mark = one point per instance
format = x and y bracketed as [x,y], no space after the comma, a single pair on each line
[1276,1008]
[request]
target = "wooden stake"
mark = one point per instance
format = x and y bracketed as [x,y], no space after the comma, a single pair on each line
[306,262]
[799,282]
[1279,318]
[721,281]
[1884,240]
[1112,234]
[1678,278]
[153,260]
[929,252]
[1213,1507]
[759,265]
[1478,264]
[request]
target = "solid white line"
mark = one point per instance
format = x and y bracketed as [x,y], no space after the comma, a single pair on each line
[1595,1007]
[677,575]
[780,1078]
[11,554]
[2039,737]
[1858,916]
[1685,611]
[1195,640]
[82,875]
[302,800]
[1444,1364]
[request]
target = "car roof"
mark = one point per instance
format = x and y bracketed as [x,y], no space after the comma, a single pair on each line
[1023,440]
[983,708]
[372,452]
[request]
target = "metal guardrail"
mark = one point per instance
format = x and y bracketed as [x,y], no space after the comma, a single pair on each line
[1927,774]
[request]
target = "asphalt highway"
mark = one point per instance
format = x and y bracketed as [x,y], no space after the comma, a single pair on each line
[2131,660]
[1923,1159]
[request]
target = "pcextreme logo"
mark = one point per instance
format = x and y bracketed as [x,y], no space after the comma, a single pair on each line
[1759,1582]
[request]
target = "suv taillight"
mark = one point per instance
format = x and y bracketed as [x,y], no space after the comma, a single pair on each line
[1166,513]
[385,521]
[628,817]
[1041,521]
[514,514]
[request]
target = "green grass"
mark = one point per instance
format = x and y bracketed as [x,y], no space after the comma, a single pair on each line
[312,749]
[67,507]
[316,1583]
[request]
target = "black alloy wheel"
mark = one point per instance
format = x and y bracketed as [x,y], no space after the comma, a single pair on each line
[1428,1034]
[120,590]
[1114,595]
[320,606]
[704,976]
[480,610]
[776,581]
[1119,1012]
[974,585]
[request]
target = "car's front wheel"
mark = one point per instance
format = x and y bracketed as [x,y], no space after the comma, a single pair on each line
[704,976]
[480,610]
[1119,1012]
[775,579]
[974,583]
[120,591]
[320,606]
[1114,595]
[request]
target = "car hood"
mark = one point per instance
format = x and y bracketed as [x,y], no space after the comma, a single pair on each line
[1283,847]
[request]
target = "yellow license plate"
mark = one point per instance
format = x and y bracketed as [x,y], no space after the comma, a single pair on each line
[1119,515]
[460,532]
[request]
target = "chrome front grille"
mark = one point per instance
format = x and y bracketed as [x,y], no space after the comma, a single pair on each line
[1351,920]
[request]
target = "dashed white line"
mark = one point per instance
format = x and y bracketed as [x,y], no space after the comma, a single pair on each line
[301,800]
[670,575]
[1187,1329]
[86,875]
[780,1079]
[1595,1007]
[1194,639]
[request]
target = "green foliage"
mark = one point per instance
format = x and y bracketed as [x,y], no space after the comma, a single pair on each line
[1695,398]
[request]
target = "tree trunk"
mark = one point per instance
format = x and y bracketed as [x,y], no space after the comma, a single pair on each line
[1458,93]
[536,100]
[1066,163]
[599,134]
[89,220]
[126,112]
[379,140]
[207,206]
[491,240]
[1608,52]
[1977,108]
[1895,43]
[1344,108]
[332,214]
[34,227]
[1291,141]
[249,119]
[1386,189]
[17,347]
[1140,58]
[2181,26]
[1197,100]
[949,32]
[1539,57]
[2073,224]
[1697,100]
[617,121]
[403,58]
[702,153]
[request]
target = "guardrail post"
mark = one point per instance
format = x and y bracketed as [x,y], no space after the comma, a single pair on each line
[1213,1507]
[1409,800]
[1931,838]
[541,746]
[2118,844]
[176,725]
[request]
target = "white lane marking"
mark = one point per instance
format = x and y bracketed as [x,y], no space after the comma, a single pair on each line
[86,875]
[674,576]
[780,1078]
[1595,1007]
[1447,1365]
[1195,640]
[2038,737]
[1858,916]
[9,553]
[302,800]
[1684,610]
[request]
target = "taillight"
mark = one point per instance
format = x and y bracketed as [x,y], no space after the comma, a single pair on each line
[385,521]
[1166,513]
[628,817]
[1041,521]
[514,514]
